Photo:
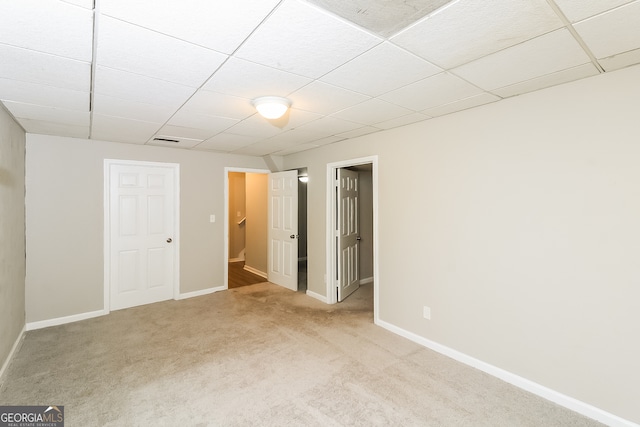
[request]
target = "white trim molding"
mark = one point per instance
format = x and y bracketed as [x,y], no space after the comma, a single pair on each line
[201,292]
[366,280]
[513,379]
[331,266]
[31,326]
[317,296]
[254,271]
[226,214]
[14,350]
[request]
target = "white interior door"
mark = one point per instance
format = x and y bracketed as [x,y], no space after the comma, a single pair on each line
[142,212]
[347,234]
[283,229]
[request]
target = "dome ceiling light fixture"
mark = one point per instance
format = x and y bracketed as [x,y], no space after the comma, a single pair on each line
[271,107]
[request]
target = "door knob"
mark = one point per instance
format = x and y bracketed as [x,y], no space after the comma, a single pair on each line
[169,240]
[294,236]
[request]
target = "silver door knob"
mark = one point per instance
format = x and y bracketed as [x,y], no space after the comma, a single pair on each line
[169,240]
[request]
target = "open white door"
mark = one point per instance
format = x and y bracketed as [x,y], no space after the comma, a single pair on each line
[347,238]
[142,212]
[283,229]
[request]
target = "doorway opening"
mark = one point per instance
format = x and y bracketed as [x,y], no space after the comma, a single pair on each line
[249,246]
[352,229]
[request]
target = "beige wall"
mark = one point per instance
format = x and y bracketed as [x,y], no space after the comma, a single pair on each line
[64,210]
[12,229]
[237,211]
[256,255]
[519,226]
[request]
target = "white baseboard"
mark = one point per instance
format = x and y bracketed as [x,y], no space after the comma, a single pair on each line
[366,280]
[516,380]
[201,292]
[16,346]
[317,296]
[236,259]
[255,271]
[67,319]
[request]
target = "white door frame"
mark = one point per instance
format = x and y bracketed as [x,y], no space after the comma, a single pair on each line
[226,215]
[331,266]
[107,224]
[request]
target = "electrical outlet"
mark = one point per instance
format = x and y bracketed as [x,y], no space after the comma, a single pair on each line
[426,312]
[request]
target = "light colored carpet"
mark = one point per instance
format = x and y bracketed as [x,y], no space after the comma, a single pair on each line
[258,356]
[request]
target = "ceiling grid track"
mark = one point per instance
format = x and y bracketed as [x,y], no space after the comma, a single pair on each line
[94,62]
[569,26]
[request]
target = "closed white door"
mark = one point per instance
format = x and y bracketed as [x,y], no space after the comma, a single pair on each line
[142,214]
[283,229]
[348,238]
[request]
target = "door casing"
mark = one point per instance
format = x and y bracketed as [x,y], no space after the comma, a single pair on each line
[331,226]
[226,215]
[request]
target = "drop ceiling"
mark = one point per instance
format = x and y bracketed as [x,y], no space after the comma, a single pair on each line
[149,72]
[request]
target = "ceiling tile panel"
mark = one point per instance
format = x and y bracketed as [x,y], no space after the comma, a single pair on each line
[383,17]
[87,4]
[620,60]
[46,26]
[613,32]
[305,40]
[258,126]
[50,128]
[468,29]
[48,114]
[226,26]
[547,54]
[577,10]
[116,107]
[141,89]
[127,47]
[41,68]
[329,140]
[220,105]
[294,137]
[365,75]
[440,89]
[32,93]
[201,121]
[323,98]
[186,132]
[296,149]
[330,126]
[402,121]
[249,80]
[372,111]
[256,150]
[226,142]
[462,104]
[548,80]
[365,130]
[122,130]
